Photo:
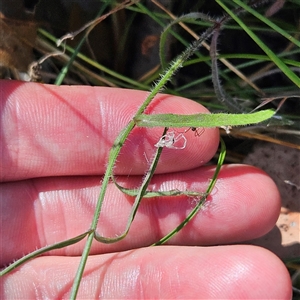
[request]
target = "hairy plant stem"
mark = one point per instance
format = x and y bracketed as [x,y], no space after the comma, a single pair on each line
[116,148]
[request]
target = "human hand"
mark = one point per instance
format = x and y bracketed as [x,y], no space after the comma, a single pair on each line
[55,143]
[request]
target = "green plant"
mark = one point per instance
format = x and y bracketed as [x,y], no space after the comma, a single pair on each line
[192,121]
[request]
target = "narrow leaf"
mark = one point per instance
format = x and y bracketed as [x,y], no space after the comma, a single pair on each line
[202,120]
[40,251]
[151,194]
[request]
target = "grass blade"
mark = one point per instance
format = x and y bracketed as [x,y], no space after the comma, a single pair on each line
[267,22]
[279,63]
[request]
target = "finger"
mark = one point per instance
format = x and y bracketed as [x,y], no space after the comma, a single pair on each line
[244,205]
[52,131]
[228,272]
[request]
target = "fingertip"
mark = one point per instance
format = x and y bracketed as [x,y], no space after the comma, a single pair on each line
[265,275]
[247,272]
[262,197]
[252,200]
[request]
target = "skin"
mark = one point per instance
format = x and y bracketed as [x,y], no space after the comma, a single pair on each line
[55,143]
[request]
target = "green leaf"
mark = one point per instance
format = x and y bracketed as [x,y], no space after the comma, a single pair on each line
[202,120]
[151,194]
